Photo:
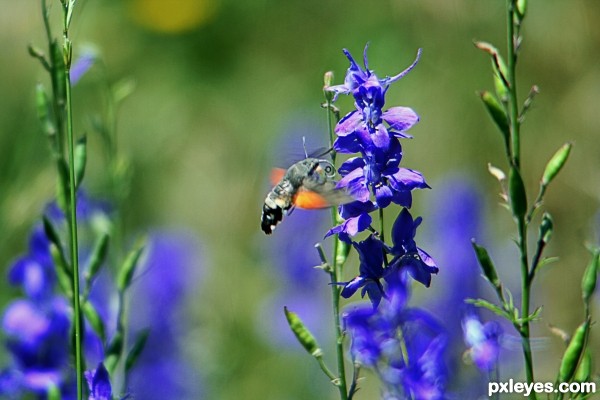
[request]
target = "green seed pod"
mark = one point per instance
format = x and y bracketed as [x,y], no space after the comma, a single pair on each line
[304,336]
[136,349]
[590,276]
[546,228]
[343,249]
[80,159]
[496,111]
[92,316]
[63,272]
[573,353]
[521,9]
[584,371]
[486,264]
[128,268]
[556,163]
[97,257]
[516,192]
[113,352]
[43,111]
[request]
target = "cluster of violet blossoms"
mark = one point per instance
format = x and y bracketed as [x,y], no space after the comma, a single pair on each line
[37,325]
[376,180]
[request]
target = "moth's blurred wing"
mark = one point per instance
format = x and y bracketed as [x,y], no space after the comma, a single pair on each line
[315,194]
[277,175]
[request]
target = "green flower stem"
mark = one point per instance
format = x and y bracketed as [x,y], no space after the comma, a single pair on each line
[513,105]
[72,209]
[512,40]
[335,274]
[72,205]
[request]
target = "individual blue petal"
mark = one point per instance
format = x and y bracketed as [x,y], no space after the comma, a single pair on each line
[403,198]
[374,291]
[99,383]
[381,137]
[350,227]
[352,286]
[348,124]
[400,119]
[347,144]
[350,165]
[356,208]
[355,184]
[403,231]
[407,179]
[383,196]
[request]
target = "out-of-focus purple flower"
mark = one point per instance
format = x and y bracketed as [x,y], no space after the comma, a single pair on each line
[404,346]
[483,341]
[98,382]
[375,178]
[407,256]
[82,65]
[86,208]
[169,275]
[34,271]
[371,270]
[38,341]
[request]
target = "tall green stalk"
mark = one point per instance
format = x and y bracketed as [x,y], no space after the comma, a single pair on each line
[335,274]
[72,203]
[515,161]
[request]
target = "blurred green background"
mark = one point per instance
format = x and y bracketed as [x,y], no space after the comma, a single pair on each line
[218,83]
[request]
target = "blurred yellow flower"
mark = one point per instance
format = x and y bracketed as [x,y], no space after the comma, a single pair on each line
[173,16]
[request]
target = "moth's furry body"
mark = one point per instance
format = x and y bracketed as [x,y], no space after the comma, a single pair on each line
[305,175]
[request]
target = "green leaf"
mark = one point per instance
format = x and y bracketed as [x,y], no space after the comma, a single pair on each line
[80,158]
[491,307]
[113,352]
[496,111]
[556,163]
[129,266]
[51,232]
[97,257]
[516,192]
[304,336]
[94,319]
[63,271]
[590,277]
[573,353]
[136,349]
[533,316]
[486,264]
[499,67]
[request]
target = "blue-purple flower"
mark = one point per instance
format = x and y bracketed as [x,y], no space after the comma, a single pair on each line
[404,346]
[98,382]
[483,341]
[371,270]
[375,178]
[407,256]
